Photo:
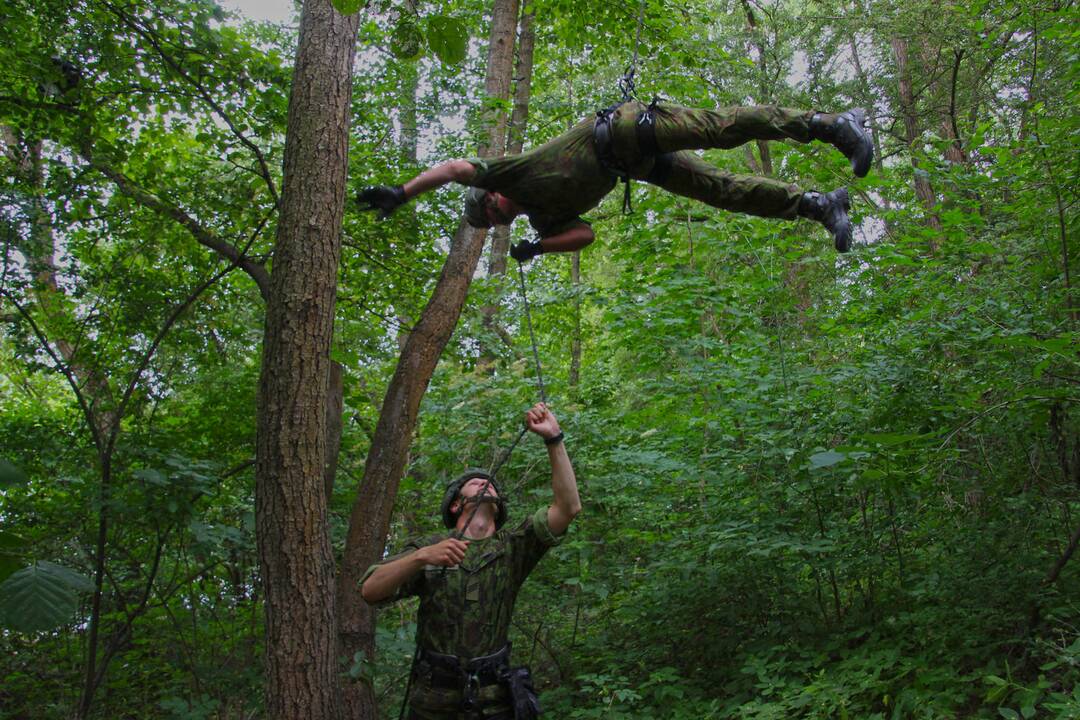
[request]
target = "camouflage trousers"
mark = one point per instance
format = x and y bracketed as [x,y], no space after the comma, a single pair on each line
[680,129]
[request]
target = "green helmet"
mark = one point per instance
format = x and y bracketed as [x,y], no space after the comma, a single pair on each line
[454,489]
[475,208]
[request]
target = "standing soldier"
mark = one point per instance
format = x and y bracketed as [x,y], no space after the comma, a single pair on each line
[569,175]
[467,584]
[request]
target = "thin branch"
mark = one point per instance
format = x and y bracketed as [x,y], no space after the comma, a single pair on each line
[205,237]
[61,366]
[149,354]
[154,40]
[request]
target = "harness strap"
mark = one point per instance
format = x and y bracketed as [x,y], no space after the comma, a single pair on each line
[603,142]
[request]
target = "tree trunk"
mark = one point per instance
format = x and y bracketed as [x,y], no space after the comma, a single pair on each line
[295,556]
[369,522]
[515,141]
[370,519]
[335,406]
[756,43]
[923,190]
[498,140]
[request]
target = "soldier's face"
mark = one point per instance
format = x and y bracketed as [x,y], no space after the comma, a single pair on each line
[472,488]
[498,210]
[475,486]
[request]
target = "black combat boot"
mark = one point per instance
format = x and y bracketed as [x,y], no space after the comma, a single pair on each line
[830,209]
[847,131]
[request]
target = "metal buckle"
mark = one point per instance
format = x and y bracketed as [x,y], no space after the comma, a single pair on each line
[469,697]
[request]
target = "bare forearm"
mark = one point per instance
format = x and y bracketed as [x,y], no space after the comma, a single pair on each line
[575,238]
[453,171]
[567,503]
[386,579]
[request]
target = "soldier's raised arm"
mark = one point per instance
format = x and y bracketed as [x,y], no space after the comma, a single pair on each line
[566,503]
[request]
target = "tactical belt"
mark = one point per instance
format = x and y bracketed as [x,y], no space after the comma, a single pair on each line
[451,672]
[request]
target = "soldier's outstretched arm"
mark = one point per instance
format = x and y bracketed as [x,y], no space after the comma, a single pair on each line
[574,238]
[566,503]
[388,198]
[387,578]
[460,171]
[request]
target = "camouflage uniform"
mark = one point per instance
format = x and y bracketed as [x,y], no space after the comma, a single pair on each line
[563,178]
[465,610]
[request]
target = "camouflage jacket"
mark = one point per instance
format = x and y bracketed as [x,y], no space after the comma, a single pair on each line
[465,610]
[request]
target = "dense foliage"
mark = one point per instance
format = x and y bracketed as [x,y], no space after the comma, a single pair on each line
[815,485]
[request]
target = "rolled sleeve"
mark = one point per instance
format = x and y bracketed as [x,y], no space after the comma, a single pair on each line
[407,589]
[543,530]
[481,166]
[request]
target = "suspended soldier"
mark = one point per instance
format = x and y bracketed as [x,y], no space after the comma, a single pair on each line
[467,583]
[555,183]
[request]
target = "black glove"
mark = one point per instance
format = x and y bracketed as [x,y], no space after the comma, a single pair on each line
[384,198]
[526,250]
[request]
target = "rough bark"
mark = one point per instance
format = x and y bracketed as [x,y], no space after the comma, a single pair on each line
[335,406]
[295,556]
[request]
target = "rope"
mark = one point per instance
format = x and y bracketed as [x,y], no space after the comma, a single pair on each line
[626,84]
[532,337]
[497,465]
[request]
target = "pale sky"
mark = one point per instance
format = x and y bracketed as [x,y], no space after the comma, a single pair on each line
[272,10]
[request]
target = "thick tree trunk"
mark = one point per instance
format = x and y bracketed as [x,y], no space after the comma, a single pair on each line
[370,519]
[295,556]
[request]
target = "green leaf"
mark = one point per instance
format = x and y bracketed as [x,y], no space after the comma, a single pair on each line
[347,7]
[10,475]
[151,476]
[448,38]
[11,547]
[826,459]
[41,597]
[1008,713]
[406,42]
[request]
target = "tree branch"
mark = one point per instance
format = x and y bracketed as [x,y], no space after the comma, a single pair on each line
[149,354]
[208,239]
[203,93]
[62,367]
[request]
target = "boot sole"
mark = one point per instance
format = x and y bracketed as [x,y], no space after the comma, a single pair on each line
[861,158]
